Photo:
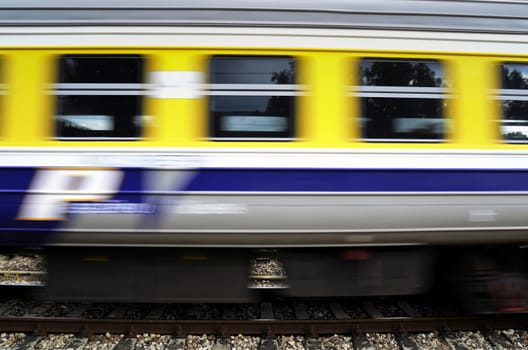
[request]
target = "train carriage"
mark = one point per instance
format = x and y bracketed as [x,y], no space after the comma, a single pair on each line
[351,141]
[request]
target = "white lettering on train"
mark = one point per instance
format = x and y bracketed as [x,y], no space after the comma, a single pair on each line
[52,189]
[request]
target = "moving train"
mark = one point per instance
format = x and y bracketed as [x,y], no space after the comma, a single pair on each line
[157,149]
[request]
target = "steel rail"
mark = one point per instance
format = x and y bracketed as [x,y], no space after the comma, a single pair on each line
[266,328]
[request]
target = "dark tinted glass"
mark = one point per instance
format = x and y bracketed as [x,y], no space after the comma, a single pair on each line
[100,69]
[515,112]
[252,70]
[402,118]
[400,73]
[261,113]
[515,120]
[514,76]
[99,116]
[252,116]
[92,112]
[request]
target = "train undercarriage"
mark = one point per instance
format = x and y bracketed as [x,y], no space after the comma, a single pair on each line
[482,279]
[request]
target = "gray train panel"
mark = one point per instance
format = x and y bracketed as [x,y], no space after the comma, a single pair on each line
[480,16]
[304,220]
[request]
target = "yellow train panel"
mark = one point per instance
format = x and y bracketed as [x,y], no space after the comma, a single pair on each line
[325,115]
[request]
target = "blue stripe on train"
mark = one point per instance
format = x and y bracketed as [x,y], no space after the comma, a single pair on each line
[384,180]
[15,181]
[135,188]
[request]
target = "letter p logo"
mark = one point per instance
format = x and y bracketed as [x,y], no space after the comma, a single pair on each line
[52,189]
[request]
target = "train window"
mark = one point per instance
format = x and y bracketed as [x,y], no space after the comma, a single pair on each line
[401,100]
[252,97]
[514,100]
[99,97]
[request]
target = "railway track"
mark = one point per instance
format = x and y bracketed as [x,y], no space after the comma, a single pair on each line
[132,323]
[268,328]
[338,324]
[459,340]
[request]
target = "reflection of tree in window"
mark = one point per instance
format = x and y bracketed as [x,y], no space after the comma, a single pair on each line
[389,117]
[394,73]
[515,76]
[280,105]
[515,136]
[99,96]
[514,79]
[120,110]
[247,99]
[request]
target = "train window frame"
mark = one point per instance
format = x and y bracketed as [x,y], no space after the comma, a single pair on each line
[437,94]
[511,95]
[116,93]
[3,85]
[218,90]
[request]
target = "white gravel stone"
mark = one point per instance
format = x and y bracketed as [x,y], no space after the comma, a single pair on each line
[200,342]
[519,338]
[290,342]
[267,267]
[8,340]
[267,283]
[103,342]
[54,341]
[244,342]
[429,341]
[151,341]
[383,341]
[471,340]
[21,269]
[21,262]
[336,342]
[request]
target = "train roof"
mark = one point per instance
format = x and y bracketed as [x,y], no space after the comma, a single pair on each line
[490,16]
